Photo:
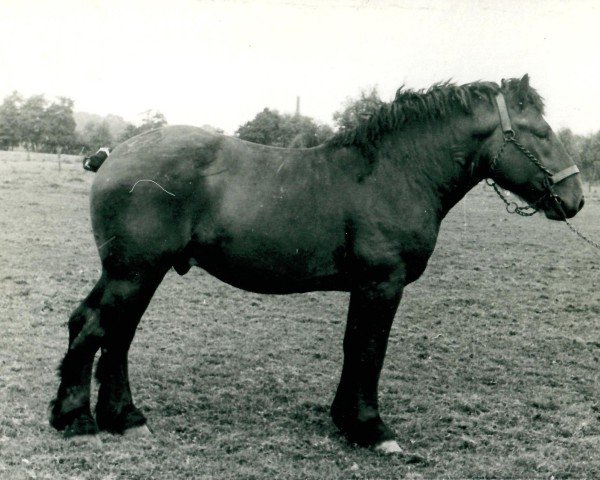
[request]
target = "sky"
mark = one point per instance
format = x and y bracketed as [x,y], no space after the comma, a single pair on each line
[221,62]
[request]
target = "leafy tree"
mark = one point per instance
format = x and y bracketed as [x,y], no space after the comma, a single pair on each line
[589,152]
[59,126]
[304,131]
[356,109]
[10,121]
[270,127]
[96,134]
[33,122]
[115,123]
[130,131]
[585,151]
[263,129]
[152,119]
[572,143]
[212,129]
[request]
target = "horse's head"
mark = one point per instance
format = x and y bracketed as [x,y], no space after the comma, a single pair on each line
[525,155]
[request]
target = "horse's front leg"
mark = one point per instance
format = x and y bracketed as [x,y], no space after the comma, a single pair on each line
[355,407]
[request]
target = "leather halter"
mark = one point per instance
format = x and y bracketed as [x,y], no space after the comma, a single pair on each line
[509,136]
[550,180]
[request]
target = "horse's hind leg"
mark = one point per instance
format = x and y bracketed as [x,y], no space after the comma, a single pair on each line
[106,319]
[70,411]
[124,302]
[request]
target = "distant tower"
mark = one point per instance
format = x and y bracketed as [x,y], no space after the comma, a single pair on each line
[297,105]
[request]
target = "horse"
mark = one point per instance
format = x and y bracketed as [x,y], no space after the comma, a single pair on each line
[360,214]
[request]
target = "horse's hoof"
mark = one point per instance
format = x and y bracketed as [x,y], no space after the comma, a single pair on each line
[140,431]
[388,447]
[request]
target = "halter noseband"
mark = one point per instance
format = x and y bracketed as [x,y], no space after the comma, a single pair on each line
[551,178]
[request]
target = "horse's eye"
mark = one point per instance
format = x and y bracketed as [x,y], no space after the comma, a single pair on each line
[543,134]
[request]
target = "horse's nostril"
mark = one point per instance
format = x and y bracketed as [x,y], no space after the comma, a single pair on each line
[581,203]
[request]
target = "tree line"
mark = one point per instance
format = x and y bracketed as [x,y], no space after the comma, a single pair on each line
[38,125]
[585,151]
[270,127]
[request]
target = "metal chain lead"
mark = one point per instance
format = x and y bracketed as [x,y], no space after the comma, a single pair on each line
[512,207]
[581,235]
[573,229]
[530,156]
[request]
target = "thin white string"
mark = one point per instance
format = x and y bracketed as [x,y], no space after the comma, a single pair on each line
[148,180]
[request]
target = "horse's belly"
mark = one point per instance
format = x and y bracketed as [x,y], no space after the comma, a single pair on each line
[272,270]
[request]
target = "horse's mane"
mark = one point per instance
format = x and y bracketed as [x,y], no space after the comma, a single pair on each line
[439,101]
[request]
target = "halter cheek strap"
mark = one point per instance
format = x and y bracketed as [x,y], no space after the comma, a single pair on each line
[504,118]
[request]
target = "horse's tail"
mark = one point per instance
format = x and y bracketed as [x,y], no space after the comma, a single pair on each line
[95,161]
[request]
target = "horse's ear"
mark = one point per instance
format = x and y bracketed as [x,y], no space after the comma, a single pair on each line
[503,83]
[523,90]
[524,83]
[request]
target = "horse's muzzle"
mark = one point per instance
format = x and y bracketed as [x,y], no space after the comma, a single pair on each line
[559,209]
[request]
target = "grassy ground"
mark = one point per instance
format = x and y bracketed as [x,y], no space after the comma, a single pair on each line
[492,369]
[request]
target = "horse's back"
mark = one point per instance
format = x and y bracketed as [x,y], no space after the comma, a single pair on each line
[163,148]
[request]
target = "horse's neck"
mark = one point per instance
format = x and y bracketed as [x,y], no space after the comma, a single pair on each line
[441,159]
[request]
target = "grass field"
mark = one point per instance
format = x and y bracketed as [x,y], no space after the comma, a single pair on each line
[492,368]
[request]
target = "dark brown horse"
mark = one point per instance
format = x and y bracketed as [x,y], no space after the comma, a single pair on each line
[360,213]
